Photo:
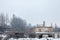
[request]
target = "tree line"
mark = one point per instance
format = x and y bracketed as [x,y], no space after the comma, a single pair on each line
[16,23]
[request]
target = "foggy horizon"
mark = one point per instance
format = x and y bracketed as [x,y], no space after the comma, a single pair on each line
[33,11]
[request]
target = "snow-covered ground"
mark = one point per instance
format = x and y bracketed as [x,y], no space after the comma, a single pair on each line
[34,39]
[30,38]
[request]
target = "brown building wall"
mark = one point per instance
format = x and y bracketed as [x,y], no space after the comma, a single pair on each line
[43,29]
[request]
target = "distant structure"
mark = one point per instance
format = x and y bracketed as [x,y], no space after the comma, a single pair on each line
[43,28]
[43,23]
[13,15]
[42,31]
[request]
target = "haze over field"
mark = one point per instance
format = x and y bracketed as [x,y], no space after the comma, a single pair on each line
[33,11]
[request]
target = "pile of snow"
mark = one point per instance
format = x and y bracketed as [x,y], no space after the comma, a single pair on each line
[12,39]
[57,39]
[3,36]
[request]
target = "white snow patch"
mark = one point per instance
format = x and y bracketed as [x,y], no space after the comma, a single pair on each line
[35,39]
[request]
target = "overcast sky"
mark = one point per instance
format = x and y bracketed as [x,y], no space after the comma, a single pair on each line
[33,11]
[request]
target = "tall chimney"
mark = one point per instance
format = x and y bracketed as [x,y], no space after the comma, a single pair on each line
[55,25]
[43,23]
[51,25]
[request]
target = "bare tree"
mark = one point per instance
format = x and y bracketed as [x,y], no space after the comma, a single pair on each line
[2,19]
[6,19]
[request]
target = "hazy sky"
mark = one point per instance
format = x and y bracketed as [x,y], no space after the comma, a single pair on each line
[33,11]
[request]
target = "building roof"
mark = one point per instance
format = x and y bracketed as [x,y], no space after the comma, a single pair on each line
[43,26]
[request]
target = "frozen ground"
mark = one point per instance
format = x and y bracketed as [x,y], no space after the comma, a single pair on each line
[34,39]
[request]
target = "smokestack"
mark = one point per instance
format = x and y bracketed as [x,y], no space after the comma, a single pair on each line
[55,25]
[43,23]
[51,24]
[13,15]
